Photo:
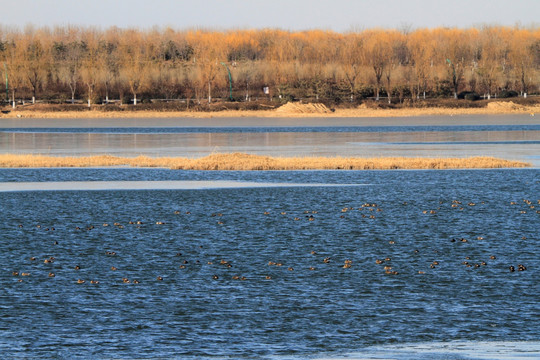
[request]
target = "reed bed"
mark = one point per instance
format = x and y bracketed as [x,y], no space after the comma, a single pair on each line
[240,161]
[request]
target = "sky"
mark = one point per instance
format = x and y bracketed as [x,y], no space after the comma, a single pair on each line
[294,15]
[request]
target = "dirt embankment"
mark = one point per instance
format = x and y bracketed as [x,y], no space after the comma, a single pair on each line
[290,109]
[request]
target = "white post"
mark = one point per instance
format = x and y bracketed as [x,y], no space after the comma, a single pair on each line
[33,99]
[134,99]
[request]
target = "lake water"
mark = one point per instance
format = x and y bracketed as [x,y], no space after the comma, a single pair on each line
[251,264]
[514,137]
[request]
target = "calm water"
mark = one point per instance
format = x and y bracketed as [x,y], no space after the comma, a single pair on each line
[450,311]
[514,137]
[181,226]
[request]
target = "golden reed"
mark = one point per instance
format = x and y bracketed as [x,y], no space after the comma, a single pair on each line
[240,161]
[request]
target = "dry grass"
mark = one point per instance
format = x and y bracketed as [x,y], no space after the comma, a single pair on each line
[240,161]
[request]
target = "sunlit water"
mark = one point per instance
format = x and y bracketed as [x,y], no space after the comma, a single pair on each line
[307,308]
[510,137]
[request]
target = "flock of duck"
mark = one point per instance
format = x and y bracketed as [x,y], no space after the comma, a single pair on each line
[383,264]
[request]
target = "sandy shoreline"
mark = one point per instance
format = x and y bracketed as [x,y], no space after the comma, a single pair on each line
[501,108]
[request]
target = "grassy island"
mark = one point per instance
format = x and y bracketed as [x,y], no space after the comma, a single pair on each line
[240,161]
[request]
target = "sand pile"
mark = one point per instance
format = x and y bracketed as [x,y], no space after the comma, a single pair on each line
[297,108]
[503,105]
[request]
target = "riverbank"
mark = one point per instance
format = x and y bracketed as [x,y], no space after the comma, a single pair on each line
[240,161]
[290,110]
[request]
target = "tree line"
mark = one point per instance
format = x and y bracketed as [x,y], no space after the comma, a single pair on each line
[72,63]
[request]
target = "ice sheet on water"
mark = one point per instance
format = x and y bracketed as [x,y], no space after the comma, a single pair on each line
[463,350]
[146,185]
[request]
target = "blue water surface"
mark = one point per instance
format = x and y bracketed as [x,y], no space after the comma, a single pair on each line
[260,272]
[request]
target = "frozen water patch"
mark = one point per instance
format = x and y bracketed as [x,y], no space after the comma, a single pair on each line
[459,350]
[147,185]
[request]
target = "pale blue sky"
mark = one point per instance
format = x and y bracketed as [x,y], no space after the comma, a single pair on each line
[337,15]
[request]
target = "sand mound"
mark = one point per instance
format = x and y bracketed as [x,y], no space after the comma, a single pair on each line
[503,105]
[298,108]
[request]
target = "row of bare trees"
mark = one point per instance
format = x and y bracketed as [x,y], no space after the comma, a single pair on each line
[100,64]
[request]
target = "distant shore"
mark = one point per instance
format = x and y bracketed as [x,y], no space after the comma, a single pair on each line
[293,111]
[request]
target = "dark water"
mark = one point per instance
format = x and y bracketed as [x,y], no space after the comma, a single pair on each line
[273,129]
[409,217]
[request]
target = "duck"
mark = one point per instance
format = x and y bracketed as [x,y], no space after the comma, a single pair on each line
[80,281]
[511,268]
[159,278]
[521,267]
